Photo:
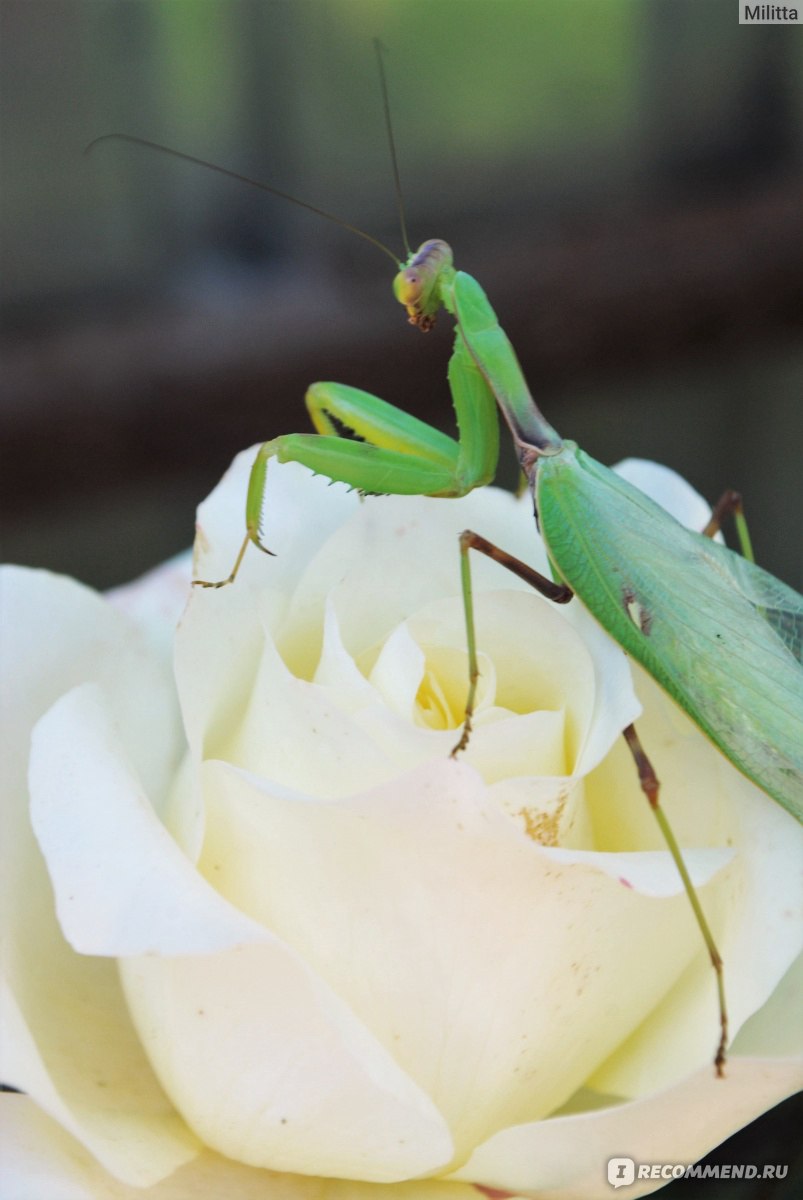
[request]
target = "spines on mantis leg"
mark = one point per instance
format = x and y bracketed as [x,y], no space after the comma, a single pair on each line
[368,468]
[420,460]
[336,409]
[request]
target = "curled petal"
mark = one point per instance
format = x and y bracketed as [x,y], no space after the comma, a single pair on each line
[564,1158]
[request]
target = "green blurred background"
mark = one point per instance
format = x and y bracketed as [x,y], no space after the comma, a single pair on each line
[623,176]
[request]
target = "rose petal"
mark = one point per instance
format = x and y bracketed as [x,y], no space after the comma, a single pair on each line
[541,664]
[652,873]
[616,704]
[41,1162]
[405,542]
[667,488]
[337,670]
[565,1158]
[300,512]
[312,742]
[65,634]
[156,600]
[424,878]
[270,1068]
[122,885]
[398,671]
[777,1027]
[67,1038]
[755,909]
[243,1039]
[410,544]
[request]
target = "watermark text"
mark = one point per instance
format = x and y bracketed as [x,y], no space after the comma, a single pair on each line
[770,14]
[624,1171]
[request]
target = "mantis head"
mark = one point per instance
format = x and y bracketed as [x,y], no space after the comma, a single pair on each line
[418,284]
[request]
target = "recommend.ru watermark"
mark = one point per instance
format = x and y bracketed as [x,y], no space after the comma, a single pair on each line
[624,1171]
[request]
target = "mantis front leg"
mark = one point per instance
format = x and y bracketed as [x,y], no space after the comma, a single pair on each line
[380,450]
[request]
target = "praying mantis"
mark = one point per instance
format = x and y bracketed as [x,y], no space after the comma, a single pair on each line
[718,633]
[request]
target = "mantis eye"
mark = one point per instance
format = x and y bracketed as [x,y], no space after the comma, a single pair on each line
[407,287]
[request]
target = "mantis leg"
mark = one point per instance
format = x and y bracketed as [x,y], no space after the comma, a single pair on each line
[557,592]
[380,450]
[730,504]
[560,593]
[651,788]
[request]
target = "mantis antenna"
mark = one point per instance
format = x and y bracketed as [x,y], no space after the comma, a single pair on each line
[383,83]
[263,187]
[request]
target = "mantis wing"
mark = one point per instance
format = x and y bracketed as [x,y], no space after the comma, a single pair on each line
[721,636]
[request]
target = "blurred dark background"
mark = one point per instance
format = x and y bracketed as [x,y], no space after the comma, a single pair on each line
[624,177]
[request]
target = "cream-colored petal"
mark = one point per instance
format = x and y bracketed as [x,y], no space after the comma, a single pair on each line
[386,562]
[337,670]
[777,1028]
[262,1061]
[652,873]
[67,1038]
[755,908]
[71,1047]
[667,488]
[65,634]
[534,970]
[269,1068]
[156,601]
[217,652]
[300,511]
[39,1161]
[565,1158]
[616,704]
[297,732]
[219,639]
[122,886]
[408,546]
[550,810]
[398,671]
[541,663]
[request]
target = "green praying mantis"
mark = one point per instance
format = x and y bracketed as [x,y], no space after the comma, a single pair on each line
[718,633]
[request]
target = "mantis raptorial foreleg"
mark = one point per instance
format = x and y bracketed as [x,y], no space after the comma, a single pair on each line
[379,449]
[560,593]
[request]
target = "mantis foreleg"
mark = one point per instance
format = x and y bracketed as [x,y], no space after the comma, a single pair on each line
[378,449]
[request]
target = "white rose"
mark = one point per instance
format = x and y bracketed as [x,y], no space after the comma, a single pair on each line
[261,928]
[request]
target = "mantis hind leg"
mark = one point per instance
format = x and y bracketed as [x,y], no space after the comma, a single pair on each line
[730,505]
[560,593]
[651,788]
